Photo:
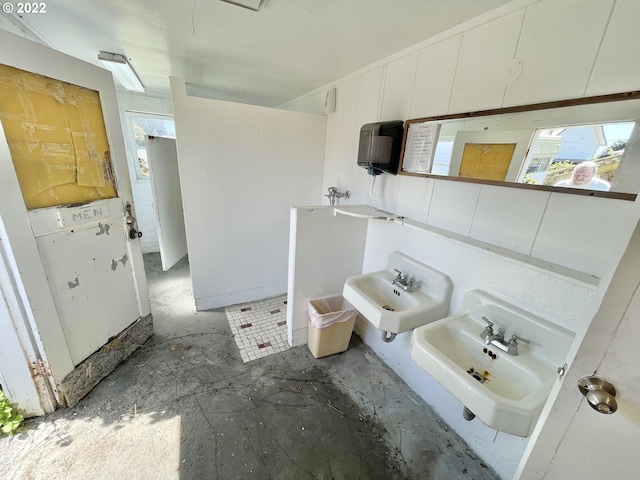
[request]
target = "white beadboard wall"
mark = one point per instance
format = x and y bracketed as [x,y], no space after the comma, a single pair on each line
[566,49]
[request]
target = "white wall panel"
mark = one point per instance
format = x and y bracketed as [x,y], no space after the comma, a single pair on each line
[370,96]
[584,234]
[558,45]
[414,197]
[385,192]
[398,85]
[324,249]
[368,108]
[342,143]
[396,105]
[483,53]
[242,167]
[500,221]
[616,51]
[434,78]
[453,205]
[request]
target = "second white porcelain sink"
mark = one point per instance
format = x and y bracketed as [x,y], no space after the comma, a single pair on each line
[392,309]
[507,392]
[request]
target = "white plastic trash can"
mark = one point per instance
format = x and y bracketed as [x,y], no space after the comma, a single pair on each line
[331,321]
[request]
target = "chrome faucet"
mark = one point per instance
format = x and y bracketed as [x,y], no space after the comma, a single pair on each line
[497,339]
[403,281]
[334,193]
[512,349]
[488,330]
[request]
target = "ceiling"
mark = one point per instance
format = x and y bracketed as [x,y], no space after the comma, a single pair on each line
[223,51]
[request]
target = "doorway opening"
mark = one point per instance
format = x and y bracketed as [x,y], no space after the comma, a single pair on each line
[155,182]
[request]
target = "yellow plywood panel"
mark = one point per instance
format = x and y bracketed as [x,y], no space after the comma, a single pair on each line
[57,139]
[68,194]
[487,161]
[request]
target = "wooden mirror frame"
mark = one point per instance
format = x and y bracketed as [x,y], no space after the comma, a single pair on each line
[616,97]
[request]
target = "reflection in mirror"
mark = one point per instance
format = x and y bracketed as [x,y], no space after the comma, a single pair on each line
[578,156]
[584,146]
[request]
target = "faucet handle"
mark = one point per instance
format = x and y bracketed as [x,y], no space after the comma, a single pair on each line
[489,322]
[488,330]
[515,338]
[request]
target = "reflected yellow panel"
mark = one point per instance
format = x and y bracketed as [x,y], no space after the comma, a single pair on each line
[486,161]
[57,139]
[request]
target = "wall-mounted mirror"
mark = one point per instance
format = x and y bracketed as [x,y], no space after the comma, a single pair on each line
[586,146]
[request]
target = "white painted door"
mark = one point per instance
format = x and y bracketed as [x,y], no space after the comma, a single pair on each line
[167,198]
[87,256]
[597,445]
[576,440]
[82,275]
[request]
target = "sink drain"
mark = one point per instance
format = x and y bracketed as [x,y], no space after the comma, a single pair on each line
[387,307]
[476,375]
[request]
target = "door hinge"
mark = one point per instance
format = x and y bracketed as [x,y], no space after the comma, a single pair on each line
[40,368]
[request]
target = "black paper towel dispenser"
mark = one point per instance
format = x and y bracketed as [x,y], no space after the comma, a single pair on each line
[379,148]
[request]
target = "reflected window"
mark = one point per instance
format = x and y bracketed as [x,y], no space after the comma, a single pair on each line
[578,156]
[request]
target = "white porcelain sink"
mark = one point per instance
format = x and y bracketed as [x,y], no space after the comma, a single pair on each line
[507,392]
[390,308]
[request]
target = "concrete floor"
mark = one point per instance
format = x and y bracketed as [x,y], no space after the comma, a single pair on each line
[185,406]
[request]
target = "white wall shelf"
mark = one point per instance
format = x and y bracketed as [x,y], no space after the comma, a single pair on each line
[548,267]
[364,211]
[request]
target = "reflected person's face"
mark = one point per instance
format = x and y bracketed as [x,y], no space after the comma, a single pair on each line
[582,175]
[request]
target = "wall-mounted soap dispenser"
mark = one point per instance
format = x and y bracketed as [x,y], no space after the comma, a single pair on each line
[379,147]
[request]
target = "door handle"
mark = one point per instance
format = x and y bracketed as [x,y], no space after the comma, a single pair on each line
[132,224]
[600,394]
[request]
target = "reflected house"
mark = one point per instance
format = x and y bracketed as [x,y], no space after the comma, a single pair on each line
[580,143]
[566,145]
[543,151]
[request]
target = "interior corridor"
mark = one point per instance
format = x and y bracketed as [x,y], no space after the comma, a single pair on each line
[185,406]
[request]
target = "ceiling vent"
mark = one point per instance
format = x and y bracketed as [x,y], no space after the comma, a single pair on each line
[254,5]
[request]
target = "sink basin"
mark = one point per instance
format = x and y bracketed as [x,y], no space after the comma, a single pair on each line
[392,309]
[507,392]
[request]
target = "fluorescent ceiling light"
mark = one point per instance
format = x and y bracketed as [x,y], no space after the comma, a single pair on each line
[119,66]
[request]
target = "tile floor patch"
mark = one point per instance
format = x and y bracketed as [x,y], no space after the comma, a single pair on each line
[259,328]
